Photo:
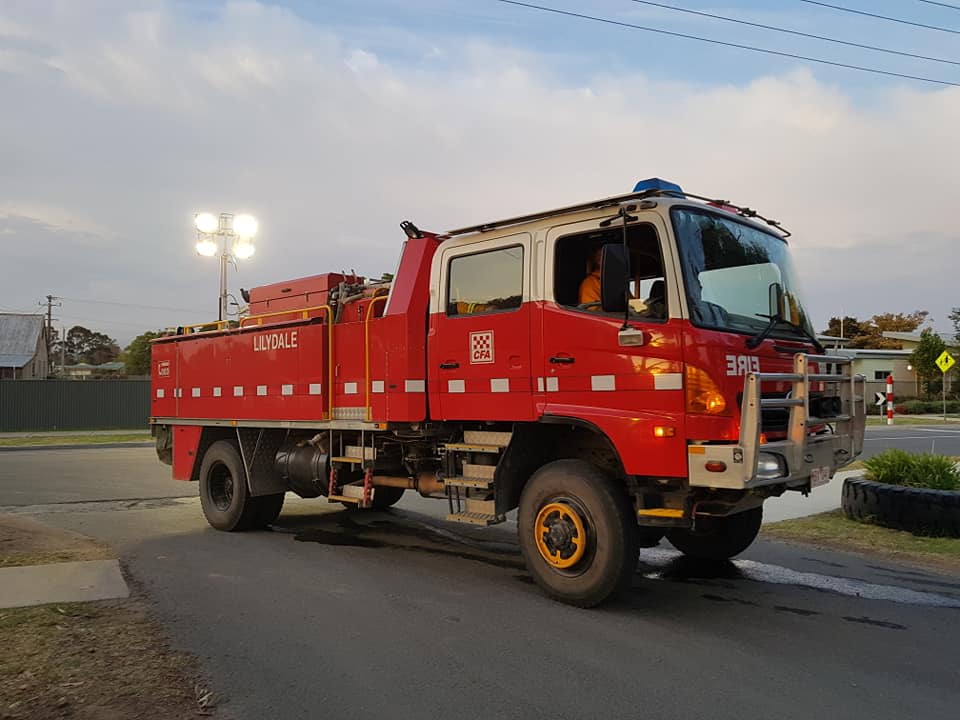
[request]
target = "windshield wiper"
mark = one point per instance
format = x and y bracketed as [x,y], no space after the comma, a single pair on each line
[754,342]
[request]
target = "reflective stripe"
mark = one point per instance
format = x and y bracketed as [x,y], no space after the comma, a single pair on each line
[286,389]
[217,392]
[160,392]
[553,384]
[456,386]
[238,390]
[603,382]
[195,392]
[539,384]
[350,388]
[415,386]
[376,386]
[668,381]
[261,390]
[499,385]
[316,388]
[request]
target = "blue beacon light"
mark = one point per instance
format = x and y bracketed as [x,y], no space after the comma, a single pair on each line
[656,184]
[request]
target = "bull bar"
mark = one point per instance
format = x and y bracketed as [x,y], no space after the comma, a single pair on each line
[808,458]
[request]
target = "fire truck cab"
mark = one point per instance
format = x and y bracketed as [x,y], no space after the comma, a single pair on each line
[619,371]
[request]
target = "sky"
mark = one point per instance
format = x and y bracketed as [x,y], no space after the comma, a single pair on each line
[333,121]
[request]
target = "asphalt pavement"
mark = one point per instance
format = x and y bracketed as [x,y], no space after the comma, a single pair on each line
[400,615]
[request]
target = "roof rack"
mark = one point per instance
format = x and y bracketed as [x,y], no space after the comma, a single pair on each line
[613,201]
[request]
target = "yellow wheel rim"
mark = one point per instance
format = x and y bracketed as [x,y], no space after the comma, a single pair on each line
[560,535]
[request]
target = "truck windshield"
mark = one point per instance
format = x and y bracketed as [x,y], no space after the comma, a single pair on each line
[737,277]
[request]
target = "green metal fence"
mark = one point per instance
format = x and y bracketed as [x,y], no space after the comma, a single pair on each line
[27,405]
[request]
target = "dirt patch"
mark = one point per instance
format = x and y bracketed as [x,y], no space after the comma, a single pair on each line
[94,661]
[27,542]
[87,661]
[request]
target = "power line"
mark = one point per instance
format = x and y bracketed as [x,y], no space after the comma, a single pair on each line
[882,17]
[941,4]
[796,32]
[752,48]
[131,305]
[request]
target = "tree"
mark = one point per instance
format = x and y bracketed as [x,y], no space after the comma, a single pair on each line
[924,356]
[136,356]
[82,345]
[869,333]
[850,327]
[955,319]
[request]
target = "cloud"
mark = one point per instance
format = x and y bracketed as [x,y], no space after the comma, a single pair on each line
[131,116]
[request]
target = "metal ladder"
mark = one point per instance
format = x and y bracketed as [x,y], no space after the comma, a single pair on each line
[358,492]
[471,495]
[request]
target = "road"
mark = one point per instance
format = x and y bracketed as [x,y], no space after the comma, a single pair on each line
[399,615]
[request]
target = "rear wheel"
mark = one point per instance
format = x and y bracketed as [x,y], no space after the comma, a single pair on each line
[224,496]
[384,497]
[719,538]
[268,508]
[578,535]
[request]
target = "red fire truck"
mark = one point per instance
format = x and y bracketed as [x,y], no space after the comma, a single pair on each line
[619,371]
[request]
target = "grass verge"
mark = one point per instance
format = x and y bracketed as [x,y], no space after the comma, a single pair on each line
[41,440]
[105,660]
[95,661]
[832,530]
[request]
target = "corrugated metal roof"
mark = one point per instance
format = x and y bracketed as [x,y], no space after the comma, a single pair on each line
[14,361]
[19,335]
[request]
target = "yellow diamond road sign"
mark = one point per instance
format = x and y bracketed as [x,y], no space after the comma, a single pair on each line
[945,361]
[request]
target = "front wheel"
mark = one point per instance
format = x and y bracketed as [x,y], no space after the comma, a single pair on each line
[578,535]
[719,538]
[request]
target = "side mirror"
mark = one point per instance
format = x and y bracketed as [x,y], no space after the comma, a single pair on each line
[614,278]
[775,299]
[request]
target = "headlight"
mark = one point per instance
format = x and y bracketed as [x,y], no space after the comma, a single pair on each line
[770,466]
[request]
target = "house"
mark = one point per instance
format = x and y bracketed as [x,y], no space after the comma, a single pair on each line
[910,340]
[877,364]
[85,371]
[23,347]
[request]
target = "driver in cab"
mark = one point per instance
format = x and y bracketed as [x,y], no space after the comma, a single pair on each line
[589,293]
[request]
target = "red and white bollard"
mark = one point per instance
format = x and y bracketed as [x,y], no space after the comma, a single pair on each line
[889,399]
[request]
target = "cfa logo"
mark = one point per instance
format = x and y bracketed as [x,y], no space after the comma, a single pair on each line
[163,368]
[481,347]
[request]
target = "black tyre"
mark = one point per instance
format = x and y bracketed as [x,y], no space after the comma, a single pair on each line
[650,536]
[719,538]
[916,510]
[384,497]
[577,532]
[224,496]
[268,508]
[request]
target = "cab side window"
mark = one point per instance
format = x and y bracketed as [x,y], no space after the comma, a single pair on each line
[577,278]
[485,282]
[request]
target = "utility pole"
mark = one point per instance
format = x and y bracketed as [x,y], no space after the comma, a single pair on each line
[52,302]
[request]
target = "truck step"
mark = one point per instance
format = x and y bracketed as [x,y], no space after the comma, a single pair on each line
[487,437]
[479,471]
[347,459]
[660,512]
[344,499]
[474,447]
[468,482]
[475,518]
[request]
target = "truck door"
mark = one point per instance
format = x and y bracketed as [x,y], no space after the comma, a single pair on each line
[479,344]
[626,390]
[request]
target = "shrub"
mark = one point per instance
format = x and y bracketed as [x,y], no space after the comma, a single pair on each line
[898,467]
[921,407]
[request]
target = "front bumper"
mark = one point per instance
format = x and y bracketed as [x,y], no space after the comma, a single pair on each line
[807,459]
